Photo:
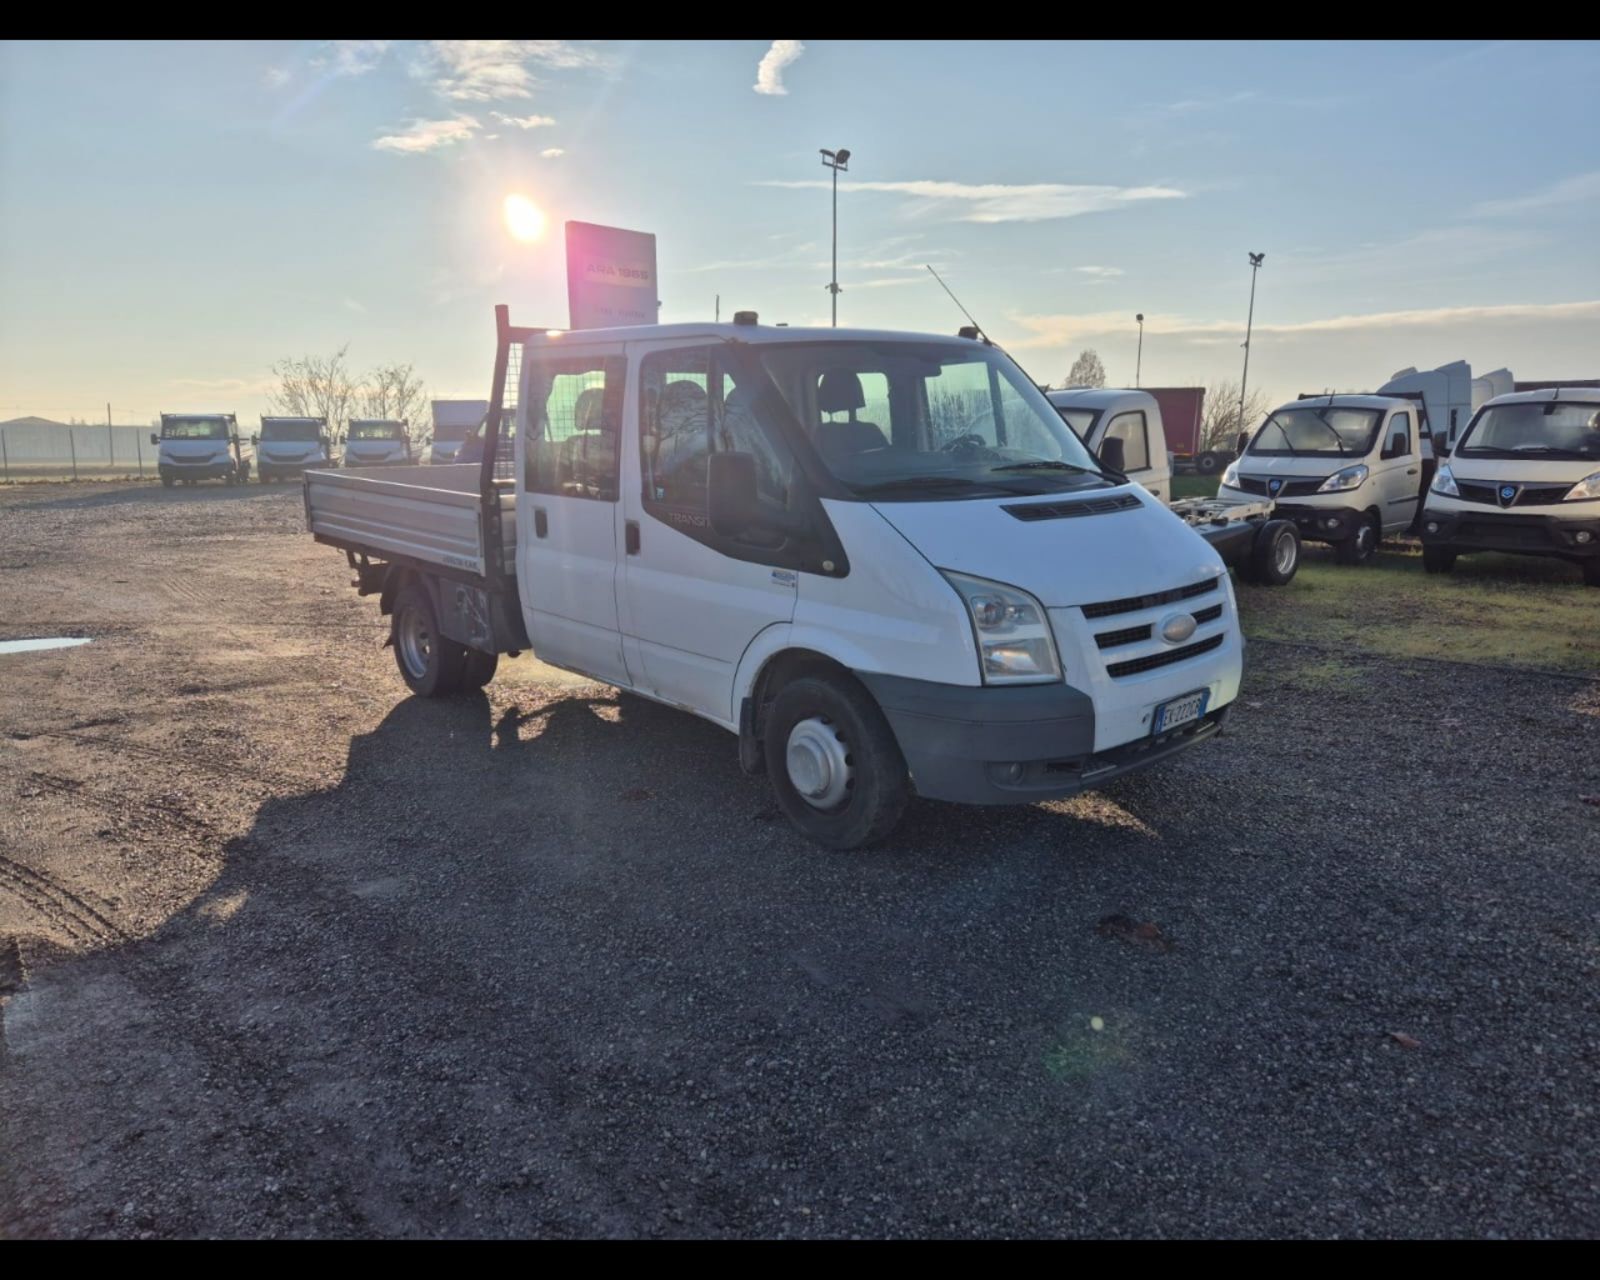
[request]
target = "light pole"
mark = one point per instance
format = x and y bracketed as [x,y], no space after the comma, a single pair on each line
[1256,260]
[1138,363]
[835,160]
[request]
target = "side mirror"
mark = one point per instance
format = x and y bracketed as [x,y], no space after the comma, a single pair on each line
[1241,443]
[731,493]
[255,437]
[155,439]
[1441,447]
[1112,454]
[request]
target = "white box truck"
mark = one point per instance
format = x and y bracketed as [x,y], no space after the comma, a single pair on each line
[191,447]
[880,560]
[376,442]
[288,447]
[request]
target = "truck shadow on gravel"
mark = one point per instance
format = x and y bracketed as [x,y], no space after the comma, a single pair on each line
[157,495]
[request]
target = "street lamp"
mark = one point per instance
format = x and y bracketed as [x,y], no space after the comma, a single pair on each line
[1256,260]
[1138,362]
[835,160]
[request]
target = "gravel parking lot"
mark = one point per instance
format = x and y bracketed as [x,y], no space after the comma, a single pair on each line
[285,951]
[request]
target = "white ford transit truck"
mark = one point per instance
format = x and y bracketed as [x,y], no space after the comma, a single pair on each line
[1524,478]
[881,560]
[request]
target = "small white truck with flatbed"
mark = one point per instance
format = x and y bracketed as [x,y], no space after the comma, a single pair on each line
[881,560]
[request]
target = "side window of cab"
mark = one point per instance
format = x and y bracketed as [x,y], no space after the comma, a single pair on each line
[1397,442]
[1130,428]
[574,414]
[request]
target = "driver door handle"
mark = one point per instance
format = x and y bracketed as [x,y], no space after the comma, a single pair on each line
[630,536]
[1411,471]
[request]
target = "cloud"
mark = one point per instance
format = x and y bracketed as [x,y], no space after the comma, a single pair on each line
[428,135]
[524,122]
[1581,187]
[492,70]
[276,77]
[1003,202]
[1099,274]
[353,57]
[1065,330]
[350,304]
[769,74]
[553,153]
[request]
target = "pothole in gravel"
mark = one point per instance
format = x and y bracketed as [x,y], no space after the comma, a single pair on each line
[49,642]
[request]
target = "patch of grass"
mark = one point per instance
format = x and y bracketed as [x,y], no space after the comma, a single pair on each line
[1195,486]
[1494,609]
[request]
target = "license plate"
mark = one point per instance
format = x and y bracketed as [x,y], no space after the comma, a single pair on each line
[1180,711]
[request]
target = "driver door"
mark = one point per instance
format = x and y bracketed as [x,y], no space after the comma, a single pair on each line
[1399,471]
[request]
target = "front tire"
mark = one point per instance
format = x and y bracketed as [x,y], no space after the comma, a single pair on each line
[1361,545]
[429,663]
[1437,560]
[836,769]
[168,481]
[1591,573]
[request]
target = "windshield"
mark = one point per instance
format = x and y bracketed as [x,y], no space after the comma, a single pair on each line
[195,428]
[449,431]
[1539,428]
[1322,429]
[916,420]
[376,431]
[299,430]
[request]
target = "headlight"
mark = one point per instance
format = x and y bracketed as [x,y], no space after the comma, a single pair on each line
[1444,482]
[1588,487]
[1349,478]
[1014,641]
[1230,477]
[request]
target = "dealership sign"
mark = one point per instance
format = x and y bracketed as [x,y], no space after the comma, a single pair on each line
[611,276]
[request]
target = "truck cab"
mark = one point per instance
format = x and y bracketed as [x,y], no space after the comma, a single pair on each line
[1524,478]
[191,447]
[376,442]
[880,560]
[287,447]
[1346,469]
[453,422]
[1133,417]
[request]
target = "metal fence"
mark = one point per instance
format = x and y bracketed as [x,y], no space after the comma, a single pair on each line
[48,452]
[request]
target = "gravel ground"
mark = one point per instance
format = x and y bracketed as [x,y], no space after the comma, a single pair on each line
[284,951]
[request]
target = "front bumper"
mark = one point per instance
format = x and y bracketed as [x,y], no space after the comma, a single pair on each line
[1524,534]
[1321,524]
[196,471]
[375,462]
[978,744]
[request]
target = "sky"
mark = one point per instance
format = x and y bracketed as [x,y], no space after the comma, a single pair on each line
[175,216]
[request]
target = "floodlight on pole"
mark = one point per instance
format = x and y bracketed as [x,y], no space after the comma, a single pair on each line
[1138,363]
[835,160]
[1256,259]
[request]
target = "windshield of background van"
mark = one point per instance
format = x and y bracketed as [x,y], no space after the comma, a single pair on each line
[307,432]
[194,429]
[375,431]
[1336,431]
[1537,429]
[910,421]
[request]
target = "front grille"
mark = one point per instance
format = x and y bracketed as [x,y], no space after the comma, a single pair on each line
[1131,604]
[1530,535]
[1128,635]
[1289,488]
[1532,496]
[1134,666]
[1069,510]
[1208,615]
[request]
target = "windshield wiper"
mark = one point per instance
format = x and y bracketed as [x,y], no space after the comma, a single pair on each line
[926,482]
[1272,421]
[1046,464]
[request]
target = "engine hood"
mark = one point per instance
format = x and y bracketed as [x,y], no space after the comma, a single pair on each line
[1301,468]
[1063,562]
[1521,470]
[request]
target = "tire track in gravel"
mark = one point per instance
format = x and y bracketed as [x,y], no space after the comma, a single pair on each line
[58,905]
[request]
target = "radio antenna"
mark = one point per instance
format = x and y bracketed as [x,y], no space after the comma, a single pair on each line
[957,301]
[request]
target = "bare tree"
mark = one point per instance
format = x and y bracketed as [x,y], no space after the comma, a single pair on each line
[1220,421]
[394,391]
[315,387]
[1086,371]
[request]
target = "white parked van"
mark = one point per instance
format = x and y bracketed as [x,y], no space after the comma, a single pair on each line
[1524,478]
[880,559]
[199,446]
[376,442]
[453,422]
[1098,414]
[1346,469]
[288,447]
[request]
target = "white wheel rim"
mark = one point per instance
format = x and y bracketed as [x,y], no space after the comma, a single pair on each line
[1285,557]
[818,762]
[416,643]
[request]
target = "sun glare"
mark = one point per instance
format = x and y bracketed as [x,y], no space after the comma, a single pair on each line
[524,219]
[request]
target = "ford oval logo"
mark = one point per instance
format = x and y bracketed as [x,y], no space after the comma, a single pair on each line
[1178,627]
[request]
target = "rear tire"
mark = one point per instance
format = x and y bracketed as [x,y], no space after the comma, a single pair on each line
[1208,464]
[1361,545]
[477,667]
[1438,560]
[429,663]
[1275,558]
[825,734]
